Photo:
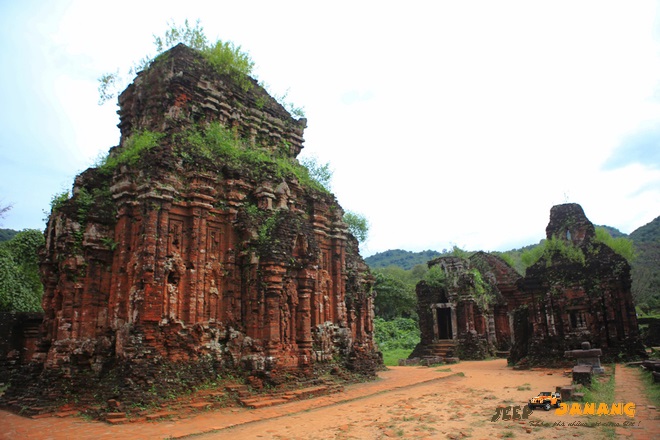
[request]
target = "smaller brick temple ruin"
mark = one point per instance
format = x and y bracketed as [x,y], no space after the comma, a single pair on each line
[579,290]
[198,249]
[467,314]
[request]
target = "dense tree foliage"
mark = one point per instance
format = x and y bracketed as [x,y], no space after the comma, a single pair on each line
[20,286]
[646,267]
[398,257]
[7,234]
[614,232]
[649,233]
[396,328]
[395,293]
[408,259]
[320,172]
[514,256]
[435,277]
[357,225]
[641,248]
[398,333]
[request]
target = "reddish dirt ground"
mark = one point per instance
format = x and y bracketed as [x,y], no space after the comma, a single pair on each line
[453,401]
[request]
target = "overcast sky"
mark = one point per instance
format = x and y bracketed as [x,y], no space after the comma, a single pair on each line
[446,123]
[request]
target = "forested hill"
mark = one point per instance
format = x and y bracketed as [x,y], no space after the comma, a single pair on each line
[614,232]
[648,233]
[646,267]
[7,234]
[398,257]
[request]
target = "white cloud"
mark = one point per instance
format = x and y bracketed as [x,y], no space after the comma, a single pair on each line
[446,123]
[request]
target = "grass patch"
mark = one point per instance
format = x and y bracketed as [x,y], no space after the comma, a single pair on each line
[601,391]
[524,387]
[651,389]
[391,357]
[203,147]
[131,152]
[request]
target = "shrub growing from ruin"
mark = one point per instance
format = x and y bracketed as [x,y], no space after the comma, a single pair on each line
[435,277]
[552,248]
[226,57]
[133,149]
[357,225]
[621,245]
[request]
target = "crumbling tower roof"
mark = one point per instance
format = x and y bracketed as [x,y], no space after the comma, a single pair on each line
[569,222]
[182,89]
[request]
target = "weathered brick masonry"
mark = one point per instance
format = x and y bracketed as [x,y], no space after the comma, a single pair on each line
[180,264]
[578,291]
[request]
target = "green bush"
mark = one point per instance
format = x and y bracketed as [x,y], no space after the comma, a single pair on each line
[225,57]
[193,37]
[565,249]
[531,256]
[320,172]
[228,59]
[621,245]
[58,201]
[217,142]
[20,285]
[482,291]
[399,333]
[435,277]
[357,225]
[508,259]
[132,150]
[395,294]
[552,248]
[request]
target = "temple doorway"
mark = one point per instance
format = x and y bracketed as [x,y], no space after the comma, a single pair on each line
[444,323]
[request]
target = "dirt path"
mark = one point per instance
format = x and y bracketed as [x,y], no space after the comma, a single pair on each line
[629,388]
[454,401]
[456,406]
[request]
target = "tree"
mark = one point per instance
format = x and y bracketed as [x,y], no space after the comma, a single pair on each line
[399,333]
[357,225]
[226,57]
[192,37]
[395,297]
[20,286]
[319,172]
[458,252]
[4,210]
[435,277]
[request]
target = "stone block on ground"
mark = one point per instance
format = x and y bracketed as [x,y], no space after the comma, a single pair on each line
[582,374]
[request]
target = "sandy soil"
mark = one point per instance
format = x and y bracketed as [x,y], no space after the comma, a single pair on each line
[459,403]
[454,401]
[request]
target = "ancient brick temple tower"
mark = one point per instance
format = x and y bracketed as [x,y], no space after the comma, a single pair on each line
[579,290]
[184,256]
